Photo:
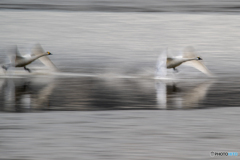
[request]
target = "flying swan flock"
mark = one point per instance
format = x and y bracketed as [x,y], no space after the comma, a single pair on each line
[18,60]
[188,57]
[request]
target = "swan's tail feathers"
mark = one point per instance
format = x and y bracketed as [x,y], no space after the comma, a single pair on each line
[37,49]
[161,70]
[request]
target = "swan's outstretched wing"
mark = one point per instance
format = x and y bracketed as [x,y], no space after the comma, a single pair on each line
[12,54]
[200,66]
[161,70]
[189,52]
[37,49]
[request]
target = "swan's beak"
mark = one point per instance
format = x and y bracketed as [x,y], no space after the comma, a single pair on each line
[49,53]
[199,58]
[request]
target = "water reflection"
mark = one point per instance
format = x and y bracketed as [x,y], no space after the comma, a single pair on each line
[91,93]
[170,96]
[22,94]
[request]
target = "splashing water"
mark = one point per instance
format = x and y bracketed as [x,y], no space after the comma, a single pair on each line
[161,70]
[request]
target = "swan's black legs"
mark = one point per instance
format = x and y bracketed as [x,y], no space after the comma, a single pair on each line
[4,67]
[27,69]
[175,70]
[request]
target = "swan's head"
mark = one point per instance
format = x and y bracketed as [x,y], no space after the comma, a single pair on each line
[49,53]
[199,58]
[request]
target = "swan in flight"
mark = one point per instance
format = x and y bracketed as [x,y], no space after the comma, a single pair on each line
[18,60]
[188,58]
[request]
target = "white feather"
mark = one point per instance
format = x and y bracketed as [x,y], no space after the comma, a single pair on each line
[189,52]
[37,49]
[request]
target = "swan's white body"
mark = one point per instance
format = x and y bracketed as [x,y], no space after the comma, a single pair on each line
[174,62]
[21,61]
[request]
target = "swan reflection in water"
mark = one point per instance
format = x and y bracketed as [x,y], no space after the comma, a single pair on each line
[25,94]
[171,95]
[88,93]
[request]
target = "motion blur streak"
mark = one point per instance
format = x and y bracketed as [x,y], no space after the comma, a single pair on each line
[104,101]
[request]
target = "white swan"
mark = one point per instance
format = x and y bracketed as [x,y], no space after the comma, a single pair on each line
[17,60]
[177,61]
[188,57]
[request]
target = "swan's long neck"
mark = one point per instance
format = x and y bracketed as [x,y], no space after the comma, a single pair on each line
[188,59]
[33,58]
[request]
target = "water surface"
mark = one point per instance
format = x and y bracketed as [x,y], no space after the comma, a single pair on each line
[105,103]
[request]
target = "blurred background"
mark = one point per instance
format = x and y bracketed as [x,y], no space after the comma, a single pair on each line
[104,103]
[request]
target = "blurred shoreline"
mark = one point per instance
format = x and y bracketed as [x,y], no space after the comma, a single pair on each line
[125,6]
